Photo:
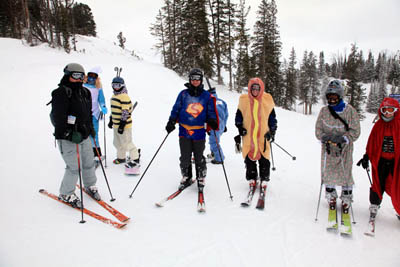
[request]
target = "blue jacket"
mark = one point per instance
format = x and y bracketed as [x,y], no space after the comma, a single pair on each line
[192,109]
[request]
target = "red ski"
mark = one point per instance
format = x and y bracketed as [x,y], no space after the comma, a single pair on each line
[117,214]
[86,211]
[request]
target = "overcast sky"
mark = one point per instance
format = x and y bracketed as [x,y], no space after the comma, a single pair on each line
[313,25]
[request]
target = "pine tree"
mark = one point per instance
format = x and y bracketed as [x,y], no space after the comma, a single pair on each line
[355,92]
[243,73]
[266,49]
[290,82]
[121,40]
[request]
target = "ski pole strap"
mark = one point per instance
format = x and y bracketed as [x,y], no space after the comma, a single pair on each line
[336,116]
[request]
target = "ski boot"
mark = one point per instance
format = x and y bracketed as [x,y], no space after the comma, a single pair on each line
[93,192]
[72,199]
[185,182]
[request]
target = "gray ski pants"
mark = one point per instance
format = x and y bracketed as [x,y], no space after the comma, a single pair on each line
[69,154]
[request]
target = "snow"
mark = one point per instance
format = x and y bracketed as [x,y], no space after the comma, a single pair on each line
[37,231]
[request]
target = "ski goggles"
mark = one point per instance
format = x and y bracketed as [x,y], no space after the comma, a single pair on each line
[256,87]
[195,77]
[77,75]
[388,110]
[117,85]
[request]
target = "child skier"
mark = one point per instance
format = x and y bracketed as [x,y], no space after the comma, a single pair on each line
[257,124]
[121,121]
[337,127]
[193,108]
[215,136]
[99,109]
[383,150]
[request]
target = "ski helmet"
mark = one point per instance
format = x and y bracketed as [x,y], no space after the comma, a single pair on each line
[118,83]
[73,67]
[196,74]
[335,87]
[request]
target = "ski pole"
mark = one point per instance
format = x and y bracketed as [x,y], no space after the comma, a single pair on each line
[319,201]
[80,180]
[294,158]
[272,157]
[105,147]
[102,167]
[130,196]
[223,166]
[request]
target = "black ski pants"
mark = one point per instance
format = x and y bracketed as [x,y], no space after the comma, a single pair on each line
[385,167]
[195,147]
[251,168]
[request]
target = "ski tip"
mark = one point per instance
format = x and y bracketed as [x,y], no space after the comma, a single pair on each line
[159,205]
[42,190]
[244,204]
[369,234]
[121,226]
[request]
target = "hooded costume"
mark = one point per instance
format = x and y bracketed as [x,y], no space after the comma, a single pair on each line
[375,150]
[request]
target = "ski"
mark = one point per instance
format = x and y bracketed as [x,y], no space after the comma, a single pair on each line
[261,198]
[371,228]
[117,214]
[201,205]
[249,198]
[332,218]
[86,211]
[345,226]
[172,196]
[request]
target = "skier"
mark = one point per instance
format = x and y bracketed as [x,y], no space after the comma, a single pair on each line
[71,111]
[384,153]
[121,121]
[214,139]
[193,108]
[337,127]
[257,124]
[99,109]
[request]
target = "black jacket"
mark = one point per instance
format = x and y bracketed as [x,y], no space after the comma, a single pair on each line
[71,99]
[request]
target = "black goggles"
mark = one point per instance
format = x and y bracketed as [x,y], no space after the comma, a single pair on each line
[195,77]
[117,85]
[77,75]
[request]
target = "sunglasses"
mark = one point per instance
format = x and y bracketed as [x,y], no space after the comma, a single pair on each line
[195,77]
[77,75]
[256,87]
[388,110]
[117,85]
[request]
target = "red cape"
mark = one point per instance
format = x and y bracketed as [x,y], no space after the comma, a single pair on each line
[374,150]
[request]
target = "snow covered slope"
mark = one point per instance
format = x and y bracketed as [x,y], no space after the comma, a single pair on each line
[37,231]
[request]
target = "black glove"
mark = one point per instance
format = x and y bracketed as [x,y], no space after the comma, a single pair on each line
[364,162]
[225,130]
[338,139]
[326,138]
[76,137]
[170,126]
[242,131]
[213,124]
[110,124]
[238,140]
[270,136]
[121,127]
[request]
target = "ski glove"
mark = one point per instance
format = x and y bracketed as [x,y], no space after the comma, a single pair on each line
[270,136]
[76,137]
[364,162]
[238,146]
[326,138]
[170,126]
[242,131]
[213,124]
[110,124]
[121,127]
[225,130]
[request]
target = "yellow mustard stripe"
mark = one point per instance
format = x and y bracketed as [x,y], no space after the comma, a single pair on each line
[188,127]
[256,125]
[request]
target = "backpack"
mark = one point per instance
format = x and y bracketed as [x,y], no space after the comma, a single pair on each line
[69,95]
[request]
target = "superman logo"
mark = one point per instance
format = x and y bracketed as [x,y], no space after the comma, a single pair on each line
[194,109]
